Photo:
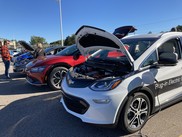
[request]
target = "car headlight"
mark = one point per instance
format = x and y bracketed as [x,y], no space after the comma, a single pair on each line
[38,69]
[105,85]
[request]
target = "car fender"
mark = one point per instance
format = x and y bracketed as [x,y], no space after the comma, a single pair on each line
[54,66]
[144,90]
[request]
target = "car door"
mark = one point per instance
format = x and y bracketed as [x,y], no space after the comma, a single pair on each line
[169,77]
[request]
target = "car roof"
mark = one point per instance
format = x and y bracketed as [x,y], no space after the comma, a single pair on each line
[144,36]
[166,34]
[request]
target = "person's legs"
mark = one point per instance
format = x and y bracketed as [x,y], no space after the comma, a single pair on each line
[7,66]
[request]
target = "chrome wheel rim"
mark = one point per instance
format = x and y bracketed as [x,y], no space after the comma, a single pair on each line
[137,113]
[57,78]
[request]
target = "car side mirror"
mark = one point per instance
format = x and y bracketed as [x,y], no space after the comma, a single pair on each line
[168,58]
[76,56]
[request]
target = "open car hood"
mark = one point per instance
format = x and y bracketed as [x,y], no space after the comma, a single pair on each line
[91,39]
[26,45]
[123,31]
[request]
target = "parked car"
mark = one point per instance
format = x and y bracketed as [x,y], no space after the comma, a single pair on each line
[13,52]
[22,60]
[51,69]
[127,89]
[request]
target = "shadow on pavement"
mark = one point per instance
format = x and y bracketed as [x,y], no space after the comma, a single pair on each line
[44,116]
[19,85]
[14,75]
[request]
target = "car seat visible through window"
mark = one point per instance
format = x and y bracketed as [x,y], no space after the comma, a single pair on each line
[167,50]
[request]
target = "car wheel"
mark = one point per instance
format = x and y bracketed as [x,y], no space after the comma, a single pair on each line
[135,113]
[56,77]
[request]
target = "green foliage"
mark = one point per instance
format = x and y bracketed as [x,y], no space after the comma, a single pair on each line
[70,40]
[35,39]
[56,42]
[179,28]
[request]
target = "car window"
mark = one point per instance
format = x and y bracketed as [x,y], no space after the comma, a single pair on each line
[52,52]
[112,56]
[152,59]
[69,51]
[170,46]
[138,46]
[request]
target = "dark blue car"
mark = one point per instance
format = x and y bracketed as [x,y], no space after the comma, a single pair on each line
[27,55]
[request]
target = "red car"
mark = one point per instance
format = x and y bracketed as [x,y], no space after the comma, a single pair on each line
[51,69]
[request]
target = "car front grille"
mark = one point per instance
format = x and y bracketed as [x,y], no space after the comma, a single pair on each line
[75,104]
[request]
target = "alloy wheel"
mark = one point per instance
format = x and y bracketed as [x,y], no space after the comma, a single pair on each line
[137,113]
[57,77]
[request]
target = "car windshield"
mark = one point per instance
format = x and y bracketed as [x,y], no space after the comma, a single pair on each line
[111,56]
[48,49]
[137,46]
[69,51]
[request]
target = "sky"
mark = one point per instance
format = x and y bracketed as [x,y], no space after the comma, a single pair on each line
[21,19]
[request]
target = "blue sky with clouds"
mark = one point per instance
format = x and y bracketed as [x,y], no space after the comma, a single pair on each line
[21,19]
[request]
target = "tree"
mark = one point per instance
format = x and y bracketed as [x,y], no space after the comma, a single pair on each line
[35,39]
[70,40]
[177,28]
[58,42]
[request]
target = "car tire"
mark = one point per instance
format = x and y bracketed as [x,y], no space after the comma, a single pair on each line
[135,113]
[56,76]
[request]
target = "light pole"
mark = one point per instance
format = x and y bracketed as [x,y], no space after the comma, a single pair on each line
[61,24]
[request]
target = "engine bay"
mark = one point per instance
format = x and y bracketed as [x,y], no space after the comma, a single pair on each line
[95,70]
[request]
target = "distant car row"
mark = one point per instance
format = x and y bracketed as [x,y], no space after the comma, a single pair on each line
[50,70]
[22,60]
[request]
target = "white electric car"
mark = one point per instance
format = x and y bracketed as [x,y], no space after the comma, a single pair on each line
[126,80]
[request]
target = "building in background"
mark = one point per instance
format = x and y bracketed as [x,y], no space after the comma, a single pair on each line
[12,43]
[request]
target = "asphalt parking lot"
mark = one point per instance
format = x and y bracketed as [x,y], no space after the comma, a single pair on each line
[30,111]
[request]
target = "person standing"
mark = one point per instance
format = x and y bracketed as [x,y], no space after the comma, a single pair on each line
[6,58]
[39,51]
[0,46]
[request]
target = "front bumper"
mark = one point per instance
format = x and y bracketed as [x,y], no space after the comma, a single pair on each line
[38,78]
[19,68]
[92,112]
[35,81]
